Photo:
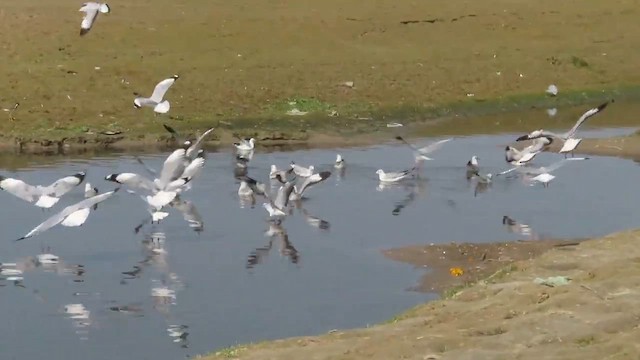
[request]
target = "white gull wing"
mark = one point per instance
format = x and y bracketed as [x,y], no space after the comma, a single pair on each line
[194,168]
[589,113]
[433,146]
[64,185]
[161,89]
[20,189]
[282,197]
[301,170]
[172,168]
[569,145]
[90,10]
[76,218]
[193,150]
[312,180]
[160,199]
[69,210]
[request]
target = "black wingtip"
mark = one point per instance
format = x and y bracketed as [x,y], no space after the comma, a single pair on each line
[399,138]
[325,174]
[523,137]
[83,32]
[601,107]
[22,238]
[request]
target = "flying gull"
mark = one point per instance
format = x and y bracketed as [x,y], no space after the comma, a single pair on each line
[301,170]
[245,144]
[41,196]
[72,215]
[156,101]
[520,157]
[296,194]
[570,142]
[421,153]
[91,11]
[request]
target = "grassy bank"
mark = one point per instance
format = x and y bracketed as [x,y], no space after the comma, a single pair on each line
[506,316]
[244,64]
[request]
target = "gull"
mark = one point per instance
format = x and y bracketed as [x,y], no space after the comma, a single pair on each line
[280,175]
[552,90]
[421,153]
[570,143]
[301,170]
[277,207]
[339,162]
[543,174]
[41,196]
[296,194]
[91,11]
[245,144]
[193,148]
[472,167]
[72,215]
[521,157]
[394,176]
[250,187]
[156,101]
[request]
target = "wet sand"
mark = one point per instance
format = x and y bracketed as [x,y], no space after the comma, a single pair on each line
[506,316]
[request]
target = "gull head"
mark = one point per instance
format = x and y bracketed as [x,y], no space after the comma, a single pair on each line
[112,177]
[311,168]
[474,160]
[200,154]
[80,176]
[379,172]
[187,143]
[175,77]
[105,9]
[338,158]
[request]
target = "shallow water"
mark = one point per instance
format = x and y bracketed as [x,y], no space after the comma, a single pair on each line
[320,280]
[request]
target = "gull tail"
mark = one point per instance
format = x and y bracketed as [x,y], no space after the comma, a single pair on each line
[162,107]
[46,201]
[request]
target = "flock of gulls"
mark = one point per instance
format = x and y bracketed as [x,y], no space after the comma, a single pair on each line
[163,189]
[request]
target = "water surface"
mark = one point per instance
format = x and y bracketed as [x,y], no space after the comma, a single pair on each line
[196,291]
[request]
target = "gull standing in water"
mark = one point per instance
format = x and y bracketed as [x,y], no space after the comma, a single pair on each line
[570,143]
[339,162]
[421,153]
[156,101]
[394,176]
[72,215]
[472,167]
[41,196]
[91,11]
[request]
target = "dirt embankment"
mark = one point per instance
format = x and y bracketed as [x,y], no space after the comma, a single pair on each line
[244,64]
[589,311]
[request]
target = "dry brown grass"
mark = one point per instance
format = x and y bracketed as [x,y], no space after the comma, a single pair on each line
[244,59]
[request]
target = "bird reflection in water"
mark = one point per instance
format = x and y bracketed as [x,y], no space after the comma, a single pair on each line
[179,334]
[81,318]
[516,227]
[276,232]
[313,221]
[415,188]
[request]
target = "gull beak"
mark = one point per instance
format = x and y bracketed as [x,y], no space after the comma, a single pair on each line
[523,137]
